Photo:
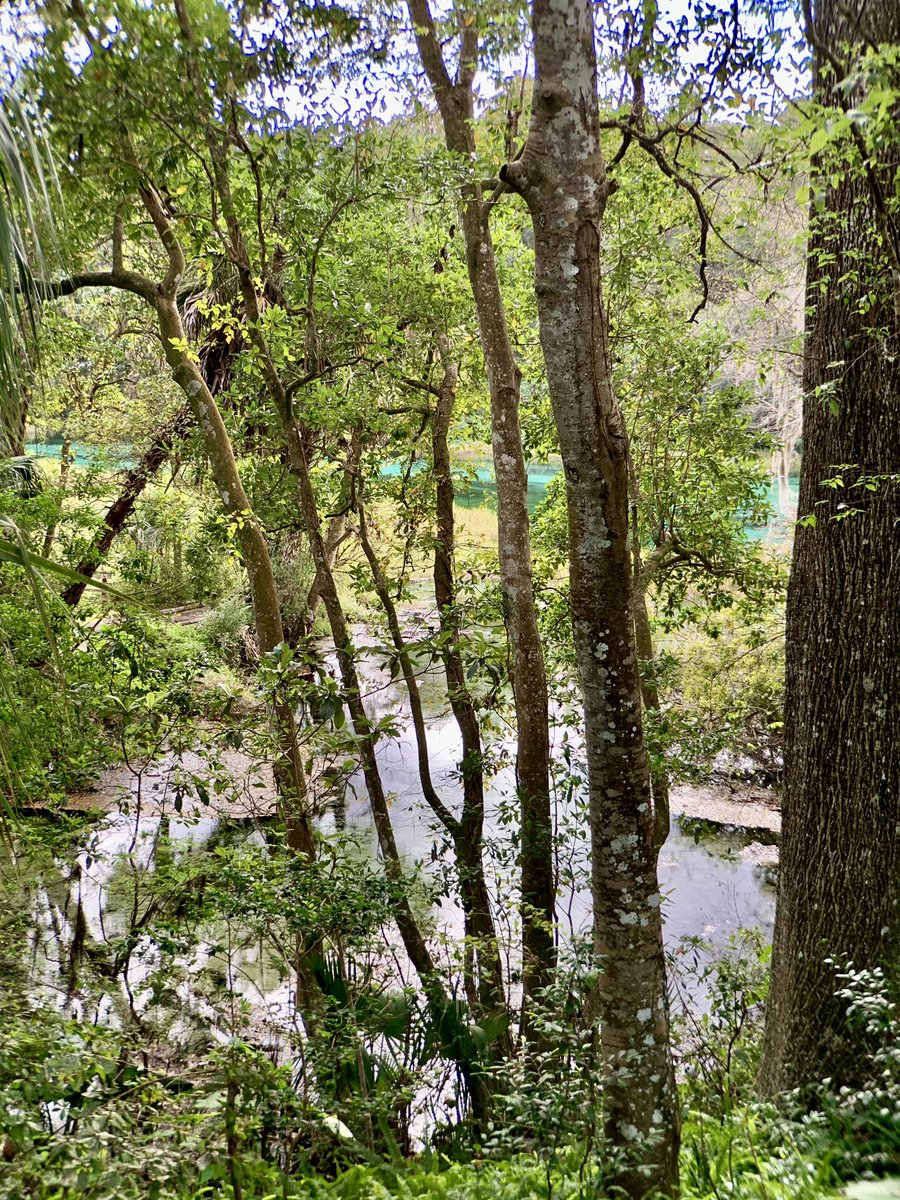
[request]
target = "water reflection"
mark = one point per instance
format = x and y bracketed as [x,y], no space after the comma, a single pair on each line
[96,901]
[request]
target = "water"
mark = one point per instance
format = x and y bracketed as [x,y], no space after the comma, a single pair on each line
[475,483]
[710,891]
[81,455]
[477,488]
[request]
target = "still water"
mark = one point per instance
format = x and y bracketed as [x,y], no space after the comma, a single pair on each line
[711,891]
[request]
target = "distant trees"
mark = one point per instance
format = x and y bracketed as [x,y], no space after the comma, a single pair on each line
[839,880]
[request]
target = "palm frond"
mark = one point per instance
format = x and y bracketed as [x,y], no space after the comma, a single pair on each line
[22,474]
[28,195]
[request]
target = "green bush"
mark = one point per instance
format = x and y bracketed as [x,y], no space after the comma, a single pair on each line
[226,629]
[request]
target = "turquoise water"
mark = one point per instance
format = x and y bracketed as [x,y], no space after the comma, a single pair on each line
[81,455]
[475,486]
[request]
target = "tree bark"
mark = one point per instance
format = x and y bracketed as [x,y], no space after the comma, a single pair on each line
[481,936]
[839,878]
[561,175]
[65,461]
[455,100]
[123,506]
[334,534]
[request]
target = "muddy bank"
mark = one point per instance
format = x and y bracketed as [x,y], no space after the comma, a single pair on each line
[234,787]
[740,805]
[246,791]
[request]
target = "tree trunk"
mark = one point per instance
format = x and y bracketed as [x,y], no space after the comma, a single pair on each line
[414,942]
[123,506]
[839,879]
[561,175]
[481,936]
[65,461]
[643,637]
[14,416]
[289,771]
[455,101]
[474,892]
[334,535]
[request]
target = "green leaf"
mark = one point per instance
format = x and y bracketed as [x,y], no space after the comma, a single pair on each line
[820,140]
[20,556]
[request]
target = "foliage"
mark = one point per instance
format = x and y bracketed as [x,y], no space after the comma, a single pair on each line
[176,550]
[719,1045]
[83,1114]
[87,698]
[860,1126]
[226,628]
[723,689]
[214,1013]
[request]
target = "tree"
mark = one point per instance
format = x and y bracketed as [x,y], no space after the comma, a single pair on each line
[160,289]
[562,176]
[839,881]
[455,99]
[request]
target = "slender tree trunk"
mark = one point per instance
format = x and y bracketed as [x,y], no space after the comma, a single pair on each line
[65,462]
[643,636]
[475,896]
[414,942]
[408,672]
[290,773]
[480,931]
[123,506]
[334,534]
[410,932]
[455,100]
[561,175]
[839,879]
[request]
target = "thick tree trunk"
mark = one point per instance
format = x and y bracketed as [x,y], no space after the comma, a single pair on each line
[123,506]
[839,879]
[561,175]
[456,105]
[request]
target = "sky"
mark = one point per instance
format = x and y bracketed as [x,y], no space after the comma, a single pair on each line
[378,93]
